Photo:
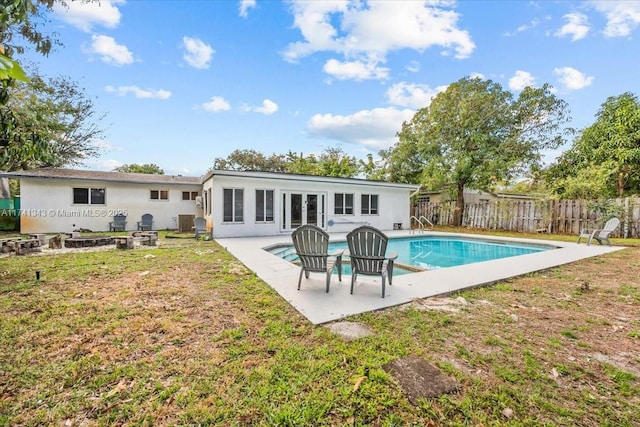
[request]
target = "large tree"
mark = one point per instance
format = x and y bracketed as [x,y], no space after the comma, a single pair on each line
[47,123]
[148,168]
[474,135]
[330,162]
[250,160]
[20,22]
[335,162]
[604,159]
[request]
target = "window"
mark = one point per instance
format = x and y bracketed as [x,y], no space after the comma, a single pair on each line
[232,205]
[189,195]
[343,204]
[159,195]
[89,196]
[369,204]
[264,205]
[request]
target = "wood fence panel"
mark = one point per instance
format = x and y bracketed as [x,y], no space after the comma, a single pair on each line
[554,216]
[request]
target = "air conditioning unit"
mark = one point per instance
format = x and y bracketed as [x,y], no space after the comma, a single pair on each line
[199,201]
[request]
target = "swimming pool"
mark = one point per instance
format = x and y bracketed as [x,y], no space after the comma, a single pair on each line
[419,253]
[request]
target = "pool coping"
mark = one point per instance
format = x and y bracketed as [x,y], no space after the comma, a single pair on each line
[320,307]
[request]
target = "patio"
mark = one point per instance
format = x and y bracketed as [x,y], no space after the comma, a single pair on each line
[319,307]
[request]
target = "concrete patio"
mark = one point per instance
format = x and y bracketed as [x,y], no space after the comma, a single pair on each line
[319,307]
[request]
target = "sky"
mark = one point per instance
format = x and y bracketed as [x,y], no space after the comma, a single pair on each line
[183,82]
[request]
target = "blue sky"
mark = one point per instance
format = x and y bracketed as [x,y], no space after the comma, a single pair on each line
[184,82]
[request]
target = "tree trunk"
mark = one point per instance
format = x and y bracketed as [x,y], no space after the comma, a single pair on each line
[620,184]
[459,209]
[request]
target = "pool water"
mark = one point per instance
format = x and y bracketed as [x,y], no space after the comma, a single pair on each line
[432,252]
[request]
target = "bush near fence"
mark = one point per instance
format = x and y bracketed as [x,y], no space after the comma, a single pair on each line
[550,216]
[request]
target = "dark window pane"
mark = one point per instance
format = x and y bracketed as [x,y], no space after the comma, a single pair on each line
[228,205]
[374,204]
[259,205]
[81,196]
[239,215]
[339,203]
[164,195]
[97,196]
[185,195]
[154,195]
[348,204]
[364,204]
[269,206]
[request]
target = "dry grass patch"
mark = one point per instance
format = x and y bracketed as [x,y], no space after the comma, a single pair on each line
[188,336]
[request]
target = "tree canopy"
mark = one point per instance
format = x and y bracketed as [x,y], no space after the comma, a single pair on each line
[474,135]
[20,22]
[149,168]
[331,162]
[47,123]
[604,159]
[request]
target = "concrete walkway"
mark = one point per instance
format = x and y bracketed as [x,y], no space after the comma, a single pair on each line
[319,307]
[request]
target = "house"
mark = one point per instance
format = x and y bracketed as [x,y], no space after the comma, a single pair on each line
[63,200]
[234,203]
[471,196]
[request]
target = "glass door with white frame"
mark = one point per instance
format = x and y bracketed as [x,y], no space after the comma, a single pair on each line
[301,208]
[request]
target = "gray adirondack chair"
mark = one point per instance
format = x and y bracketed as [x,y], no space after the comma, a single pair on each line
[600,234]
[146,223]
[119,223]
[367,250]
[312,246]
[200,226]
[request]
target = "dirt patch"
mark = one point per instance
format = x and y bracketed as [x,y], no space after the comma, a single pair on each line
[419,379]
[349,330]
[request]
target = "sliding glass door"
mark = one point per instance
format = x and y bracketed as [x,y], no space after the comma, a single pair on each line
[300,208]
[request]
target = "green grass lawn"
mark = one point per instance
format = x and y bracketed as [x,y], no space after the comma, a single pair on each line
[183,334]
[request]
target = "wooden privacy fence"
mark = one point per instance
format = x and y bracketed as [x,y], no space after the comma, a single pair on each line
[551,216]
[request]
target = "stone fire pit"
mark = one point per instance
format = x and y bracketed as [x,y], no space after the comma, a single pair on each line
[88,242]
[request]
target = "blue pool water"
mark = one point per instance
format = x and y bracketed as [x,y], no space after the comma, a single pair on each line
[432,252]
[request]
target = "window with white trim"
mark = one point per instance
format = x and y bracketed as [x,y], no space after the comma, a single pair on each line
[343,204]
[89,196]
[264,205]
[369,204]
[233,205]
[189,195]
[159,194]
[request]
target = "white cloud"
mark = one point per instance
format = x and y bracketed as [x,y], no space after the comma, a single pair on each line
[353,29]
[476,75]
[525,27]
[413,66]
[375,129]
[245,5]
[577,26]
[355,70]
[102,145]
[198,54]
[216,104]
[531,25]
[139,93]
[572,79]
[84,15]
[521,80]
[622,16]
[109,51]
[268,107]
[412,95]
[102,164]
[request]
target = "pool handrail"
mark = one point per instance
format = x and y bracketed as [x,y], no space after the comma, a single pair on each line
[421,223]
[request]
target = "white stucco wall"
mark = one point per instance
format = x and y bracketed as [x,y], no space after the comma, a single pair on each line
[393,204]
[47,205]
